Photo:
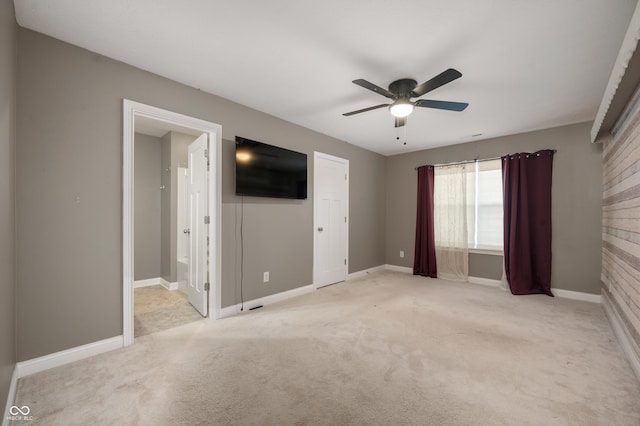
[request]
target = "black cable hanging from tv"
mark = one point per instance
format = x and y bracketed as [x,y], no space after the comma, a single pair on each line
[241,253]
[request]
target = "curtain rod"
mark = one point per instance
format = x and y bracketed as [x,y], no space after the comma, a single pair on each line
[455,163]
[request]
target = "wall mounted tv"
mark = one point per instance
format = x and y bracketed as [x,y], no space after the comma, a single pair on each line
[269,171]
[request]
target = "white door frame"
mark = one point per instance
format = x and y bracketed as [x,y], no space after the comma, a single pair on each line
[131,110]
[317,155]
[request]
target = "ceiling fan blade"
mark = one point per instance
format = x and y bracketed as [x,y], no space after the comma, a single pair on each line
[401,121]
[449,106]
[370,86]
[439,80]
[346,114]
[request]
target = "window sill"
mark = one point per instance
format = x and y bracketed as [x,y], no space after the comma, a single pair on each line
[491,252]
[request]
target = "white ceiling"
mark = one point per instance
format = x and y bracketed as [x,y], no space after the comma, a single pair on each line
[526,64]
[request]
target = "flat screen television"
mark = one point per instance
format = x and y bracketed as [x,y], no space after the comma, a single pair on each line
[269,171]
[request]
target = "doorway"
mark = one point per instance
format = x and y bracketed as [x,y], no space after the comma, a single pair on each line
[163,298]
[136,116]
[330,219]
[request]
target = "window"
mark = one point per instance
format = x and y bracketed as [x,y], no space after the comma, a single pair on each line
[451,205]
[484,205]
[468,205]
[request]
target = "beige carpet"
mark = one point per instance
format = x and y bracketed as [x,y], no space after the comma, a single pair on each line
[391,349]
[156,309]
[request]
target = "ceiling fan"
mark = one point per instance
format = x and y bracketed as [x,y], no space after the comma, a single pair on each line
[401,91]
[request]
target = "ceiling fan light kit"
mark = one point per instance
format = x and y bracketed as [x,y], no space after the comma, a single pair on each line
[401,108]
[401,91]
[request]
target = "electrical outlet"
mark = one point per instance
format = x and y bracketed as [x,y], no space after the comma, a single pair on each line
[401,253]
[265,277]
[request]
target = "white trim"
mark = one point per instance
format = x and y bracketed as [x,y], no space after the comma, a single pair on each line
[397,268]
[620,68]
[485,281]
[267,300]
[345,162]
[146,283]
[365,272]
[169,285]
[486,251]
[576,295]
[128,130]
[36,365]
[11,397]
[215,227]
[131,109]
[621,332]
[565,294]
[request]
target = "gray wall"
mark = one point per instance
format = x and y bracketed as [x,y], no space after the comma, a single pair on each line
[485,266]
[7,196]
[70,246]
[576,201]
[148,152]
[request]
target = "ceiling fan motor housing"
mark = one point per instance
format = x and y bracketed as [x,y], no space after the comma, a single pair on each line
[403,87]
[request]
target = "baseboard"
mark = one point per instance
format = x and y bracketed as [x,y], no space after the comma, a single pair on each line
[365,272]
[267,300]
[577,295]
[485,281]
[36,365]
[565,294]
[235,309]
[622,334]
[397,268]
[168,285]
[11,397]
[147,282]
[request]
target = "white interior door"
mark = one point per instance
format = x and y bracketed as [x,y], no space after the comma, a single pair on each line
[331,211]
[198,219]
[183,214]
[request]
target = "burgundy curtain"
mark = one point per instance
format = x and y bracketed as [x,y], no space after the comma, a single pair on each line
[526,181]
[424,260]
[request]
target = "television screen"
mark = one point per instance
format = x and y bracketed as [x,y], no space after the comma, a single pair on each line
[269,171]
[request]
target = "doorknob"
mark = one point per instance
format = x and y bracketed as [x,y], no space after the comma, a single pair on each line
[320,229]
[186,231]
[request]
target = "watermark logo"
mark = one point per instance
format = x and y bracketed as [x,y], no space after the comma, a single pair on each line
[19,413]
[15,410]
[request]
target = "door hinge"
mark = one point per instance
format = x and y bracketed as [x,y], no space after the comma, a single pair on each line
[206,286]
[206,220]
[345,176]
[345,219]
[206,153]
[345,261]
